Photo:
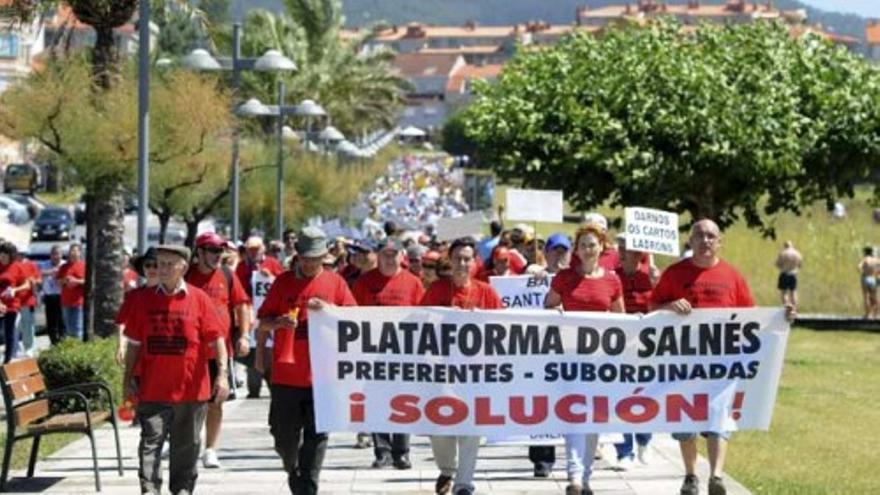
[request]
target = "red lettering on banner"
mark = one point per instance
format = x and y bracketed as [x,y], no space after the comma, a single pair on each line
[563,409]
[405,409]
[356,408]
[637,409]
[518,410]
[600,409]
[459,411]
[676,404]
[484,415]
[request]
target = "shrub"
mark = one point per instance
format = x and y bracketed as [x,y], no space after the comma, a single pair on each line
[72,361]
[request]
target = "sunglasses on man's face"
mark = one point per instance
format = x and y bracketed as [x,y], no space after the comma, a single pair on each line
[213,250]
[150,264]
[429,267]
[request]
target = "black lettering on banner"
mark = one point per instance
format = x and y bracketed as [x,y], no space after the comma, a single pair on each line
[261,288]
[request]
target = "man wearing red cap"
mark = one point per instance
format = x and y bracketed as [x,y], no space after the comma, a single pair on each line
[232,305]
[499,265]
[389,285]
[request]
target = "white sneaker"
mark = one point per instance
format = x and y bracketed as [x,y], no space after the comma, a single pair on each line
[166,450]
[642,454]
[210,460]
[625,464]
[608,454]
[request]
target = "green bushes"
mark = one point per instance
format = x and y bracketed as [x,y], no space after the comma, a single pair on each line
[72,361]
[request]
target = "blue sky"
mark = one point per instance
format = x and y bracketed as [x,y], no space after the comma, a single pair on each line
[867,8]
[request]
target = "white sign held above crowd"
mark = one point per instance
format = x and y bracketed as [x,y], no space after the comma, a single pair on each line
[471,224]
[532,205]
[652,231]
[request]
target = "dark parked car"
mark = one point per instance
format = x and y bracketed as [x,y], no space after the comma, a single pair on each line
[53,223]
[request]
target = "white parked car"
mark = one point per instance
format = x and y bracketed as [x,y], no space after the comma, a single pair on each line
[17,213]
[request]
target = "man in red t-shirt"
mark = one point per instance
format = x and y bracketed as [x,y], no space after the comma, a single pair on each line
[233,305]
[285,314]
[255,260]
[13,281]
[178,324]
[72,278]
[702,281]
[459,291]
[389,285]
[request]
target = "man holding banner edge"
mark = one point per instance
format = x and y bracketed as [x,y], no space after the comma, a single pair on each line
[703,281]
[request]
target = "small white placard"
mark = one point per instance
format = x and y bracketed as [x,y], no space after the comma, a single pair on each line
[652,231]
[532,205]
[471,224]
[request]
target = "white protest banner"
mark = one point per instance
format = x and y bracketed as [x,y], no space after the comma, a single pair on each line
[652,231]
[260,284]
[533,205]
[522,291]
[470,224]
[442,371]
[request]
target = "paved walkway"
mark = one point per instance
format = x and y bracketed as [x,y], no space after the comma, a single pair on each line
[250,465]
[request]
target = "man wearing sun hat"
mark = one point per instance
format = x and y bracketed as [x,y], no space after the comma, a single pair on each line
[170,340]
[285,314]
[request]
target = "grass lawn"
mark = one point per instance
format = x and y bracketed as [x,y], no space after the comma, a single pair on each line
[49,444]
[823,439]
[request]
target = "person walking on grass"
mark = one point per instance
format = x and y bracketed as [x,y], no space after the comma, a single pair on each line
[788,262]
[704,281]
[868,280]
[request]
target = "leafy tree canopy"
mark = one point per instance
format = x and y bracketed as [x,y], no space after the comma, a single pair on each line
[720,122]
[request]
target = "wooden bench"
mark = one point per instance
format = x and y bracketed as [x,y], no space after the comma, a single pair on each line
[28,413]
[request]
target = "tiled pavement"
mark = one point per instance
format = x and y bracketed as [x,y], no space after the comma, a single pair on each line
[250,465]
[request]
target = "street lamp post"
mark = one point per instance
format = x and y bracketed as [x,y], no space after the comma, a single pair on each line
[279,212]
[143,124]
[271,61]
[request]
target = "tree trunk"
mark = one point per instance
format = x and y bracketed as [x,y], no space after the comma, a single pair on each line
[192,230]
[90,257]
[108,217]
[164,220]
[105,58]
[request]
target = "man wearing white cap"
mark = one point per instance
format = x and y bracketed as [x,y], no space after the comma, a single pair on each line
[255,260]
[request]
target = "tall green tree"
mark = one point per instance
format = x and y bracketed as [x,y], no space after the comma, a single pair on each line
[721,122]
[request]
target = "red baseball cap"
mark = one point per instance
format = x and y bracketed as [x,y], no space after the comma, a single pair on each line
[210,239]
[501,253]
